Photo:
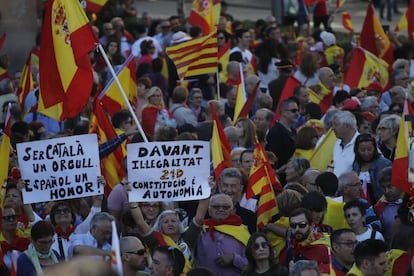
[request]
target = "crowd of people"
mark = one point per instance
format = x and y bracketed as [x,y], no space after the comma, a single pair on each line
[347,219]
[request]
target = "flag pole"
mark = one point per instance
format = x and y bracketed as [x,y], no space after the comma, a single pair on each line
[134,116]
[218,86]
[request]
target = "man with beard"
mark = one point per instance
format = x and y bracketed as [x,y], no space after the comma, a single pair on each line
[133,255]
[302,243]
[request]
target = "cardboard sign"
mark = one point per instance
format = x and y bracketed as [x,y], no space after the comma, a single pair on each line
[168,171]
[60,168]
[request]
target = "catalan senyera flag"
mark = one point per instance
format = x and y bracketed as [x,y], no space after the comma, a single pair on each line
[347,22]
[339,3]
[241,96]
[5,156]
[2,40]
[374,39]
[220,146]
[195,57]
[116,261]
[27,83]
[95,5]
[407,22]
[111,166]
[66,75]
[111,97]
[205,14]
[261,180]
[287,92]
[322,156]
[365,68]
[401,167]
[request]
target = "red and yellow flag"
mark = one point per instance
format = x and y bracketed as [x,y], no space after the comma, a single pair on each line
[195,57]
[347,22]
[402,176]
[66,75]
[116,260]
[220,146]
[366,68]
[2,40]
[223,56]
[241,96]
[261,181]
[322,156]
[27,83]
[205,14]
[95,5]
[407,22]
[111,165]
[287,92]
[111,97]
[5,156]
[339,3]
[374,39]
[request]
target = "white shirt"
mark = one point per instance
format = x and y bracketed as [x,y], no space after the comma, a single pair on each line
[367,235]
[136,47]
[343,156]
[87,240]
[246,54]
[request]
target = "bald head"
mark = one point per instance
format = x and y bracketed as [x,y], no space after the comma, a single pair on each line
[233,69]
[130,244]
[327,77]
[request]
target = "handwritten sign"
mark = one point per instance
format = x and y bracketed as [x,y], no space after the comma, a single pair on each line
[60,168]
[161,171]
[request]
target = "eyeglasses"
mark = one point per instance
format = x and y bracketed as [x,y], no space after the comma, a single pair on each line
[348,243]
[218,207]
[263,245]
[293,110]
[62,211]
[139,252]
[300,224]
[10,218]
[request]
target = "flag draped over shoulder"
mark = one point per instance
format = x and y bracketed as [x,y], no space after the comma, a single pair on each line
[220,146]
[403,164]
[111,165]
[205,14]
[366,68]
[116,251]
[195,57]
[261,181]
[322,156]
[374,39]
[26,82]
[66,75]
[111,97]
[5,156]
[95,5]
[407,22]
[347,22]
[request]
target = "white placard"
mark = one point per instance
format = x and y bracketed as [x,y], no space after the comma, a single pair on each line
[60,168]
[168,171]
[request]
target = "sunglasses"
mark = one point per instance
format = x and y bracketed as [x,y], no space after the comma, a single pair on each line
[218,207]
[263,245]
[62,211]
[301,225]
[10,218]
[294,110]
[139,252]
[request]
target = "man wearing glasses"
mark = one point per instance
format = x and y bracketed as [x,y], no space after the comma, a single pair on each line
[302,243]
[133,255]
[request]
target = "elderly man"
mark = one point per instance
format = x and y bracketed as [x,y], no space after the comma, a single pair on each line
[96,241]
[133,256]
[262,119]
[222,246]
[231,184]
[344,126]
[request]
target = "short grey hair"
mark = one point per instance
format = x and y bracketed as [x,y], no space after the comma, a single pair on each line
[392,122]
[346,118]
[302,265]
[230,172]
[329,117]
[98,218]
[368,102]
[345,179]
[161,216]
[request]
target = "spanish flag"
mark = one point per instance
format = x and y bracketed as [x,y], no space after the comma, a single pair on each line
[347,22]
[322,156]
[407,22]
[205,14]
[27,83]
[195,57]
[287,92]
[403,166]
[339,3]
[111,166]
[241,96]
[95,5]
[111,97]
[5,156]
[223,56]
[220,146]
[66,75]
[365,68]
[374,39]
